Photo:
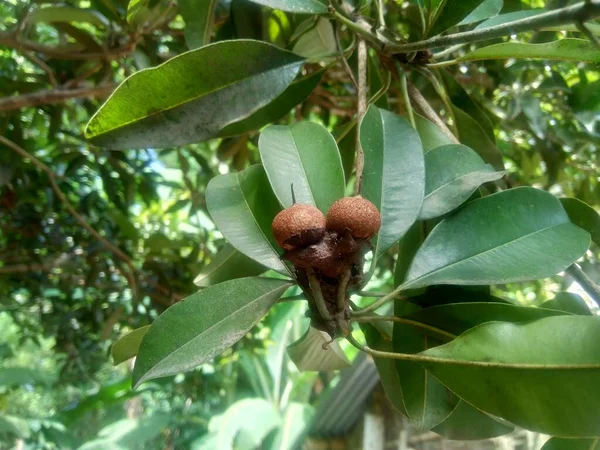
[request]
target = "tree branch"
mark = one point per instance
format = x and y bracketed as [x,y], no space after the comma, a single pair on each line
[65,201]
[361,110]
[52,96]
[588,285]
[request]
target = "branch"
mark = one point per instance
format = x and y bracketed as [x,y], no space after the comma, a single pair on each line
[54,96]
[361,110]
[588,285]
[62,197]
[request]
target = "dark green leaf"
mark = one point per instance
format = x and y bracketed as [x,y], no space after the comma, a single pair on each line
[569,302]
[541,375]
[296,6]
[468,424]
[584,216]
[571,444]
[450,13]
[127,346]
[521,234]
[306,156]
[452,174]
[198,16]
[296,93]
[228,264]
[472,135]
[203,325]
[194,95]
[243,206]
[408,247]
[579,50]
[486,9]
[431,135]
[394,173]
[446,294]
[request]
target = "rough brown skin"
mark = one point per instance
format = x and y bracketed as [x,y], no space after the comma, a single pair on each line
[298,226]
[356,214]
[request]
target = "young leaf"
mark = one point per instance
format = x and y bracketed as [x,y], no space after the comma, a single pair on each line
[452,174]
[469,424]
[128,345]
[203,325]
[539,375]
[194,95]
[515,235]
[307,353]
[584,216]
[572,444]
[394,173]
[450,13]
[198,16]
[296,93]
[579,50]
[430,134]
[568,302]
[296,6]
[228,264]
[243,206]
[306,156]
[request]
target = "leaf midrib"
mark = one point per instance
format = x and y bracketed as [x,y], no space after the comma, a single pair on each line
[478,172]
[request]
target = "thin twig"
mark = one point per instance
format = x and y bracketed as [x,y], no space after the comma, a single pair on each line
[52,96]
[588,285]
[413,323]
[407,104]
[65,201]
[362,109]
[340,49]
[51,78]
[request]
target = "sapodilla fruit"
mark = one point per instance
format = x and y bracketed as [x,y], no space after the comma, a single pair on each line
[356,215]
[298,226]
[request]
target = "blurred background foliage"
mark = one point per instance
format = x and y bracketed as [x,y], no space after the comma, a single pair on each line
[65,296]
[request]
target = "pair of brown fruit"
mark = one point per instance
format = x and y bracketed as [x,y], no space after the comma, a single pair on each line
[303,225]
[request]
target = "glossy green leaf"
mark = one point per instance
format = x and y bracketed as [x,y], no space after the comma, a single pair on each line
[243,206]
[450,13]
[456,318]
[394,173]
[572,444]
[128,345]
[296,6]
[488,8]
[246,423]
[203,325]
[294,426]
[515,235]
[584,216]
[304,154]
[452,174]
[296,93]
[52,14]
[378,340]
[407,249]
[228,264]
[568,302]
[308,354]
[473,135]
[431,135]
[195,95]
[198,16]
[579,50]
[541,375]
[318,42]
[469,424]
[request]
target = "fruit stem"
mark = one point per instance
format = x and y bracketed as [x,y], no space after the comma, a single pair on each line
[315,287]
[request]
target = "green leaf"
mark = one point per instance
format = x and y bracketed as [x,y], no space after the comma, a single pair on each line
[584,216]
[11,377]
[541,375]
[446,294]
[52,14]
[579,50]
[194,95]
[516,235]
[198,16]
[318,42]
[295,425]
[474,136]
[509,17]
[228,264]
[408,247]
[141,13]
[431,135]
[456,318]
[243,206]
[486,9]
[394,173]
[203,325]
[128,345]
[452,174]
[469,424]
[569,302]
[450,13]
[296,6]
[378,340]
[246,423]
[308,354]
[296,93]
[571,444]
[304,154]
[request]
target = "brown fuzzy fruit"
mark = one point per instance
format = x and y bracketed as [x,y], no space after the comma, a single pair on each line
[298,226]
[354,214]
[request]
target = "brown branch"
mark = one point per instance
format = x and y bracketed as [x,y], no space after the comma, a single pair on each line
[33,58]
[361,110]
[52,96]
[65,201]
